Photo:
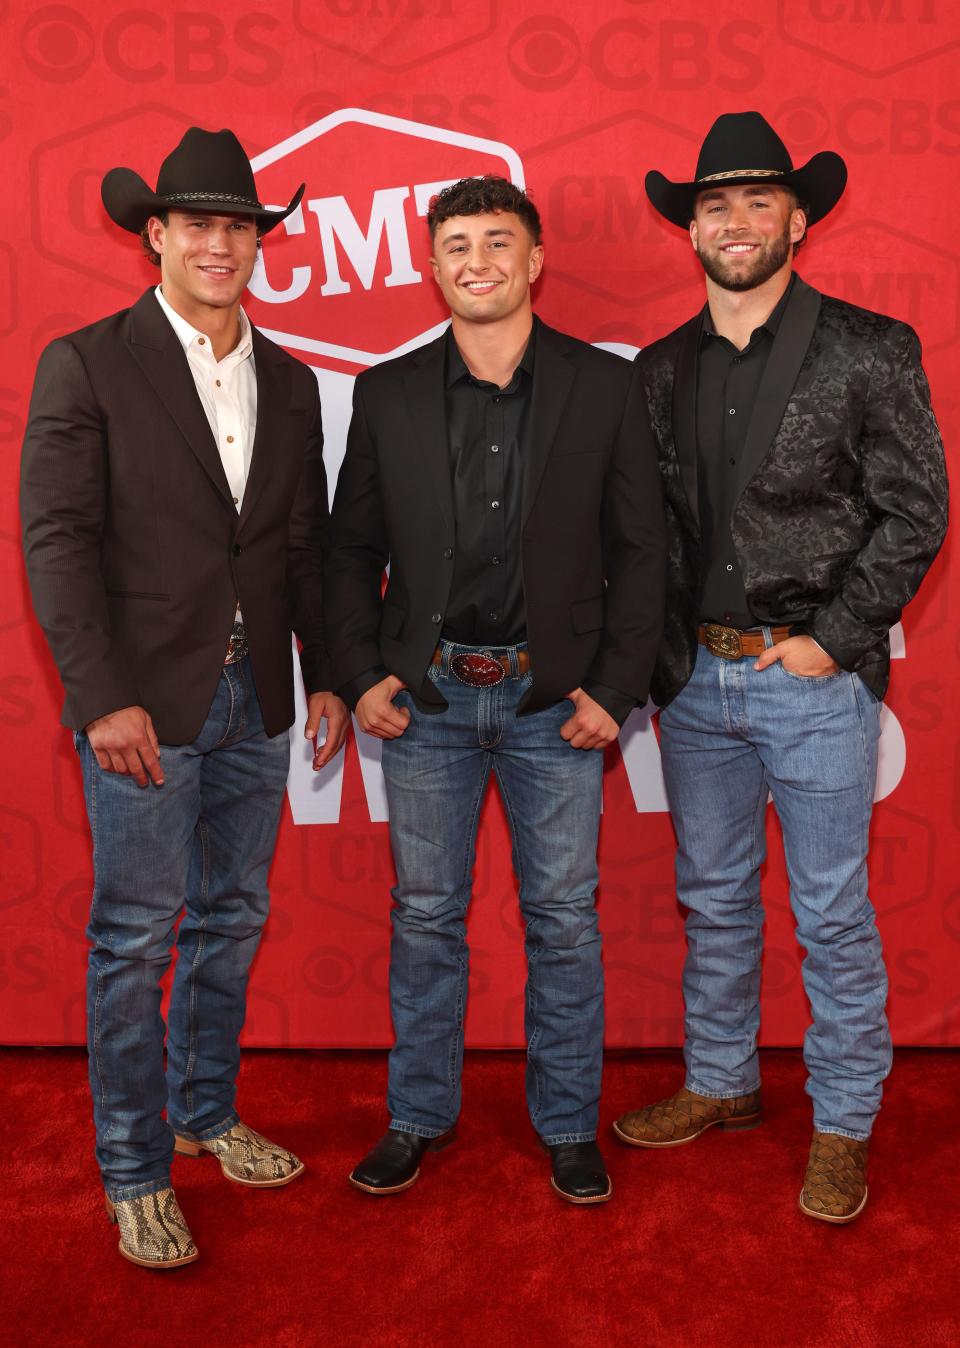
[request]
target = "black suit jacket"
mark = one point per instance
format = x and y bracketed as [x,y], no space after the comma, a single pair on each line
[135,552]
[842,499]
[592,528]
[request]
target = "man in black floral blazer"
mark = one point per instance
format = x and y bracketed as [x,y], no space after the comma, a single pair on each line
[806,498]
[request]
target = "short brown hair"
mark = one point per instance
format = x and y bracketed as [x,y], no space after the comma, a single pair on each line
[484,196]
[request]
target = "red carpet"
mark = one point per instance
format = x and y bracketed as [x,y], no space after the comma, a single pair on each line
[702,1245]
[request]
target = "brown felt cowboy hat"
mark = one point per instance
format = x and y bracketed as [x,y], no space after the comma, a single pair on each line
[742,147]
[208,171]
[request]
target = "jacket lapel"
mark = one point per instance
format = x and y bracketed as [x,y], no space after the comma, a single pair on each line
[273,398]
[158,352]
[553,379]
[783,365]
[685,411]
[423,383]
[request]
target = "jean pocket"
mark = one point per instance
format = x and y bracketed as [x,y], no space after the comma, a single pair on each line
[813,679]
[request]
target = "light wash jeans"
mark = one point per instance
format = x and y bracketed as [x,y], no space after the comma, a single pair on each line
[201,844]
[436,774]
[730,737]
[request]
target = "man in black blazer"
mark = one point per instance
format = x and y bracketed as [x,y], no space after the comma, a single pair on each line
[806,497]
[174,513]
[504,474]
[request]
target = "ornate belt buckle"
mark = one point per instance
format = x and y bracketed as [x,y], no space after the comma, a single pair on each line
[477,671]
[723,641]
[237,646]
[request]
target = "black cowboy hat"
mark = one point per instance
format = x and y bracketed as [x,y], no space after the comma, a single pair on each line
[208,171]
[742,147]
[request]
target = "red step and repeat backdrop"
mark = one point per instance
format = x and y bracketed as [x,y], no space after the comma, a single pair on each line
[374,103]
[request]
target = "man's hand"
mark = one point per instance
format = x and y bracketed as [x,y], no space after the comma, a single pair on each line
[376,713]
[334,709]
[800,655]
[125,742]
[590,727]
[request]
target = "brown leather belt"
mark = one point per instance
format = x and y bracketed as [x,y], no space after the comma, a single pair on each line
[730,643]
[483,669]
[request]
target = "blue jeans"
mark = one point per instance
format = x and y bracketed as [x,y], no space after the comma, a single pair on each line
[201,844]
[436,774]
[730,737]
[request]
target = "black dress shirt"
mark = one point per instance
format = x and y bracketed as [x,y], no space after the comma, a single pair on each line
[487,437]
[728,381]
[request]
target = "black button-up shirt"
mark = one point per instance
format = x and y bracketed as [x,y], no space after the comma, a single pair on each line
[728,381]
[487,430]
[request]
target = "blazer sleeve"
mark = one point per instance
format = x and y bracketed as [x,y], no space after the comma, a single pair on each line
[359,551]
[63,503]
[306,544]
[904,484]
[634,561]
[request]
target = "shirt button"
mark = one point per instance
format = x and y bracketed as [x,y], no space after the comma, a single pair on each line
[497,398]
[729,566]
[494,505]
[237,549]
[435,617]
[493,617]
[218,383]
[236,500]
[495,561]
[732,462]
[229,439]
[448,553]
[733,411]
[202,341]
[494,449]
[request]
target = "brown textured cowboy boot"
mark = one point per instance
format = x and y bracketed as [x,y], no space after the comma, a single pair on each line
[835,1185]
[684,1116]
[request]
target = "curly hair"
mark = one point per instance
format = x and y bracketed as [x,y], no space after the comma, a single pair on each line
[484,196]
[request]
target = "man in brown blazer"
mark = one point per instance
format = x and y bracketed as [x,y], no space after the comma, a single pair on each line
[174,509]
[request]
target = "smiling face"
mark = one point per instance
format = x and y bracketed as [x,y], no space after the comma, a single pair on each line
[485,265]
[744,235]
[205,260]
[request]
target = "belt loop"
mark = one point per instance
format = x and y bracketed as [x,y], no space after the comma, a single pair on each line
[445,650]
[514,662]
[767,637]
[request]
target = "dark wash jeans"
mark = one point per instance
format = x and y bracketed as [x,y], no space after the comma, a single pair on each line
[201,844]
[436,774]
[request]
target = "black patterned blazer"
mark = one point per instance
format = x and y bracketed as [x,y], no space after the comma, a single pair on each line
[842,501]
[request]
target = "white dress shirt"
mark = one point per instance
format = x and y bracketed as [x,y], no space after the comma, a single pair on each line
[228,391]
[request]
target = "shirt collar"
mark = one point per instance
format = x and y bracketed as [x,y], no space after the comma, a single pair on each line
[457,367]
[770,324]
[187,334]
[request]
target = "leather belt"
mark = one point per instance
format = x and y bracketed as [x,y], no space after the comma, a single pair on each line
[730,643]
[482,669]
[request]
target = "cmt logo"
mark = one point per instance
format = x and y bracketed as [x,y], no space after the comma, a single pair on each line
[875,38]
[346,276]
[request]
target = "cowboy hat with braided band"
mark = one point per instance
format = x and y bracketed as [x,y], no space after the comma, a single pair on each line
[742,147]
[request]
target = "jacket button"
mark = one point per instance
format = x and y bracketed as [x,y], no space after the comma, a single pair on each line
[436,617]
[237,549]
[448,553]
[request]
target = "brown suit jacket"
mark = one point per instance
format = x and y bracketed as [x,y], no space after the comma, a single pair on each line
[135,552]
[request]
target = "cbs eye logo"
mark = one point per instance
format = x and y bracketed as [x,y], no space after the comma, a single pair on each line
[57,43]
[544,53]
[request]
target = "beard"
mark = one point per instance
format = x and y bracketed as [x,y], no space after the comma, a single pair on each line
[767,261]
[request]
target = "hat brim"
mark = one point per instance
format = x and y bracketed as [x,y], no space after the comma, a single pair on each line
[129,202]
[819,183]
